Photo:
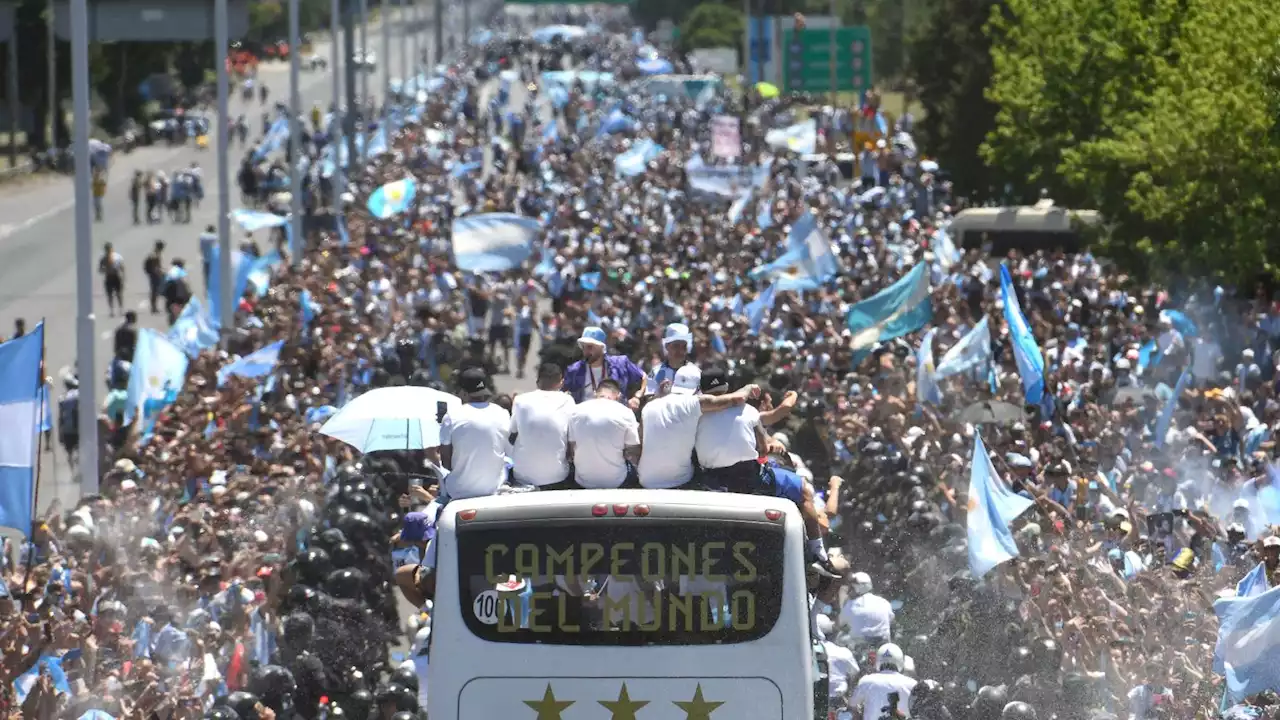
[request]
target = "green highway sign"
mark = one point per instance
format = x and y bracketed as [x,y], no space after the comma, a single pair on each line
[807,60]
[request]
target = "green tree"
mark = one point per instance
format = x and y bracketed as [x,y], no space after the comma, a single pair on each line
[950,62]
[1160,113]
[712,25]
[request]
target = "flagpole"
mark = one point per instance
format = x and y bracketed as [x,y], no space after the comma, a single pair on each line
[38,411]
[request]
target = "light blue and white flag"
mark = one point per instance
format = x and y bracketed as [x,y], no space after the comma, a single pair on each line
[1026,353]
[246,270]
[971,354]
[1165,419]
[801,138]
[493,242]
[1255,583]
[808,261]
[27,681]
[277,136]
[193,331]
[944,249]
[255,220]
[735,210]
[725,180]
[20,409]
[256,364]
[393,198]
[158,373]
[1248,647]
[901,308]
[636,159]
[992,507]
[757,308]
[927,390]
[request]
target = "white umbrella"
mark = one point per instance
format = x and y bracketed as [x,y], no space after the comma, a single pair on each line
[392,418]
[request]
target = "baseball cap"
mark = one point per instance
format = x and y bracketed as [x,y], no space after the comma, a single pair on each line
[687,380]
[677,332]
[474,381]
[417,527]
[714,380]
[592,336]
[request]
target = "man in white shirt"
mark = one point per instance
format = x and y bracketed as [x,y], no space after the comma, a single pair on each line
[842,668]
[604,439]
[669,427]
[875,691]
[473,441]
[866,617]
[729,443]
[677,341]
[540,432]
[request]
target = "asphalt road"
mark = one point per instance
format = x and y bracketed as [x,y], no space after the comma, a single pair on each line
[37,240]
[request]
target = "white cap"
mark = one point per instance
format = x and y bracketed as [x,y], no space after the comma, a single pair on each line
[687,380]
[890,655]
[861,583]
[128,485]
[677,332]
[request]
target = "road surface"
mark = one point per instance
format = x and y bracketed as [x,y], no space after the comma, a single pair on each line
[37,241]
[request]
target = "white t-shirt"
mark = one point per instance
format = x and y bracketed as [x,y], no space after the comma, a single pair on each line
[868,617]
[478,433]
[727,437]
[670,428]
[842,669]
[873,691]
[540,420]
[600,430]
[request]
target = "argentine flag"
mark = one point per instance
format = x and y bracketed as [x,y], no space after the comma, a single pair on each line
[992,507]
[972,353]
[1248,648]
[254,365]
[193,331]
[801,138]
[20,409]
[1025,350]
[393,198]
[808,261]
[927,391]
[158,372]
[901,308]
[493,242]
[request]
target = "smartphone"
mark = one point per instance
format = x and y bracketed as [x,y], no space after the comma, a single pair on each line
[415,482]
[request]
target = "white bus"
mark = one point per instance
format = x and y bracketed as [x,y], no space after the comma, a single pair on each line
[583,604]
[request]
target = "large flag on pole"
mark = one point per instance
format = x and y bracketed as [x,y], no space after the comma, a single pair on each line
[20,410]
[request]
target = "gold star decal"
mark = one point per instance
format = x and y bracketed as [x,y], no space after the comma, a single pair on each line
[624,708]
[698,708]
[548,708]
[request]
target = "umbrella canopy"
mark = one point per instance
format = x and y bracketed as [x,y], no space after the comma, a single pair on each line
[767,90]
[392,418]
[991,413]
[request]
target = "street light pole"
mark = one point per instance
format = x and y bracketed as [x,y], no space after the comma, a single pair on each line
[335,28]
[222,40]
[52,40]
[386,50]
[364,81]
[86,365]
[439,53]
[406,21]
[295,134]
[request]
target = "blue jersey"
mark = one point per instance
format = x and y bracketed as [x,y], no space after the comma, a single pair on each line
[784,483]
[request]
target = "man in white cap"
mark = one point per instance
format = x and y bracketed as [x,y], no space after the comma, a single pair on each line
[582,378]
[677,341]
[669,428]
[866,617]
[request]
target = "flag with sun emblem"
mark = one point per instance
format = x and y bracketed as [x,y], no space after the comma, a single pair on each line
[992,507]
[158,372]
[393,198]
[927,390]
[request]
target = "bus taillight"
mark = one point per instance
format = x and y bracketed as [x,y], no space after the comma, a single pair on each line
[619,509]
[642,510]
[774,515]
[600,510]
[467,515]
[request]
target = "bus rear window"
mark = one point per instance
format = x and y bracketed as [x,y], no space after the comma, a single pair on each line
[621,583]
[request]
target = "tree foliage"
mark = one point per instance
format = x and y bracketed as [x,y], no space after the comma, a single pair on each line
[950,61]
[1160,113]
[712,25]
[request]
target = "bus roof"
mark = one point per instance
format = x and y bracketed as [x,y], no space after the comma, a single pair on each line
[1022,219]
[672,504]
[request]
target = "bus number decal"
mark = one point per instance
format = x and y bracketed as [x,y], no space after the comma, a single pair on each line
[485,607]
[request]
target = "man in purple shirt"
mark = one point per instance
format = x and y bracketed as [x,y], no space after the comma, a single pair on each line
[583,377]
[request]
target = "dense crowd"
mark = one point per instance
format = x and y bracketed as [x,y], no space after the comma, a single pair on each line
[237,564]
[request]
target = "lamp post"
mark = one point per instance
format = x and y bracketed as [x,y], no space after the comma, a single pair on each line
[86,366]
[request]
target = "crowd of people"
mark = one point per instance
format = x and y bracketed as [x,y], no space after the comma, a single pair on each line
[238,565]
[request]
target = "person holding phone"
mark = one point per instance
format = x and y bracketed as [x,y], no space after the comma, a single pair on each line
[885,688]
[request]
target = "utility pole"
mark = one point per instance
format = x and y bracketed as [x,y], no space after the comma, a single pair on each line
[86,364]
